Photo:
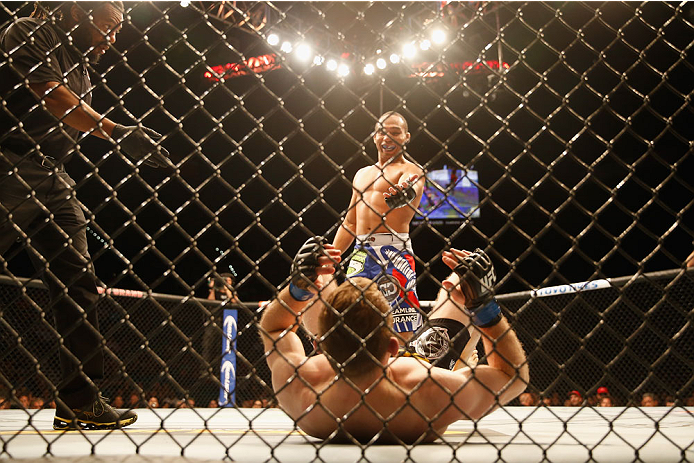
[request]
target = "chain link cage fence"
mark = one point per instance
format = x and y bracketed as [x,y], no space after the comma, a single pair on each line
[555,136]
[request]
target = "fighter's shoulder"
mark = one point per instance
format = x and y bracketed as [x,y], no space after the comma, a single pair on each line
[364,172]
[407,369]
[316,369]
[413,168]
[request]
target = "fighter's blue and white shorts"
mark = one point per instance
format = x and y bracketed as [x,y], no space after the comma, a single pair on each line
[387,259]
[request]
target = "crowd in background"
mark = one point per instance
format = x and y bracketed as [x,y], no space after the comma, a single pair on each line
[602,398]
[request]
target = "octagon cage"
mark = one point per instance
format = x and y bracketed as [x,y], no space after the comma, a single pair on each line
[554,137]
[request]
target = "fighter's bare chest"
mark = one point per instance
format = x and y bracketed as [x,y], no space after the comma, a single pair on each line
[378,181]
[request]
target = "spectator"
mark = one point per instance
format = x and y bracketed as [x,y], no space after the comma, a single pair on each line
[5,402]
[551,400]
[575,399]
[186,403]
[257,404]
[24,399]
[606,401]
[594,400]
[37,403]
[213,404]
[135,400]
[528,399]
[118,401]
[649,400]
[169,403]
[669,401]
[153,402]
[556,401]
[222,289]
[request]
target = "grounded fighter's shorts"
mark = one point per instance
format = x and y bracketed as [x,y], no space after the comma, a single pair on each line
[387,259]
[440,342]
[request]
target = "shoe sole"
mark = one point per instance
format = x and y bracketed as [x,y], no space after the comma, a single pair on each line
[60,424]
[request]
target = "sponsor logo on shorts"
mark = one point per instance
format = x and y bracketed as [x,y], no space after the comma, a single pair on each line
[356,263]
[389,287]
[433,343]
[398,260]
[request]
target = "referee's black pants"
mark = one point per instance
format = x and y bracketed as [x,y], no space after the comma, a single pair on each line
[38,206]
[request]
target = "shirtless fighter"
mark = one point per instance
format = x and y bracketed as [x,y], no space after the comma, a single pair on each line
[385,197]
[358,388]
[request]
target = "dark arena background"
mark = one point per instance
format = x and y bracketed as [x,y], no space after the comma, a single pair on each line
[568,126]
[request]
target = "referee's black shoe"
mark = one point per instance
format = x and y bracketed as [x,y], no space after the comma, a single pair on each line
[95,415]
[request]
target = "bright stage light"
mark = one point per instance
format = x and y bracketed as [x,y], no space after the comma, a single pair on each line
[343,70]
[425,44]
[438,36]
[381,63]
[394,58]
[185,3]
[331,65]
[286,47]
[369,69]
[303,52]
[409,50]
[273,39]
[318,60]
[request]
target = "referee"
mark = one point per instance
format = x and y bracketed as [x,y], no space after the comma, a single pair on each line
[45,88]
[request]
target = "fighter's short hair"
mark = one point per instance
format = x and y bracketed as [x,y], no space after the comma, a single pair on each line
[386,115]
[355,327]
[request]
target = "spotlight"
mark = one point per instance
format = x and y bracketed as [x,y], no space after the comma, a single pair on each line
[438,36]
[394,58]
[425,44]
[318,60]
[381,63]
[185,3]
[409,50]
[273,39]
[331,65]
[286,47]
[369,69]
[343,70]
[303,52]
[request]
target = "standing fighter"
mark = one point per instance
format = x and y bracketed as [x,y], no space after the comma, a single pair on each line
[359,387]
[384,200]
[45,88]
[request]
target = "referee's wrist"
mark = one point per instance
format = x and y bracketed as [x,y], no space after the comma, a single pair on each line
[300,294]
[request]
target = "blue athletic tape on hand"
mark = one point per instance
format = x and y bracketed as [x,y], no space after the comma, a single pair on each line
[487,316]
[300,294]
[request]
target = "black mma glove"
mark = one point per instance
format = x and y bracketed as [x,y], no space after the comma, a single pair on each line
[402,197]
[138,143]
[477,280]
[304,268]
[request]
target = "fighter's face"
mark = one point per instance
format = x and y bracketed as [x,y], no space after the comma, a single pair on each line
[95,36]
[391,136]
